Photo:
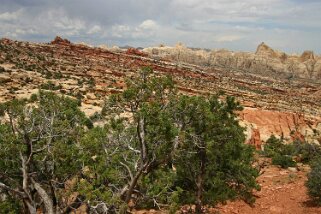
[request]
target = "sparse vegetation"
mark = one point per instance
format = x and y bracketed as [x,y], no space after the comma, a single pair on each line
[48,75]
[57,75]
[281,154]
[33,97]
[50,86]
[284,154]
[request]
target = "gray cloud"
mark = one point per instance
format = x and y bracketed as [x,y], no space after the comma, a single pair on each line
[290,25]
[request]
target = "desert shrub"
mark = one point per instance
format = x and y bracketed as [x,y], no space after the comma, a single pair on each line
[284,161]
[306,152]
[48,75]
[281,154]
[57,75]
[272,146]
[33,97]
[50,86]
[314,181]
[91,82]
[213,164]
[95,117]
[30,67]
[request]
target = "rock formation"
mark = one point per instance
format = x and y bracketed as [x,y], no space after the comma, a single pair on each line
[59,41]
[265,61]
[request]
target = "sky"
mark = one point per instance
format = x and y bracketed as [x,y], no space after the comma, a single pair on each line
[240,25]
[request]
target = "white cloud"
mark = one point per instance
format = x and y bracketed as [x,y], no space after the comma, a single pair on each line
[148,24]
[228,38]
[95,29]
[120,31]
[10,16]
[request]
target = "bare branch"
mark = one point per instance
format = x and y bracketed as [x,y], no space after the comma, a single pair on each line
[25,176]
[128,169]
[13,191]
[133,149]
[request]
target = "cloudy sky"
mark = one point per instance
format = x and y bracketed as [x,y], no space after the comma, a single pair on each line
[289,25]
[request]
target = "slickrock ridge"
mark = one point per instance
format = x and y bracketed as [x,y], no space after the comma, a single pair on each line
[277,101]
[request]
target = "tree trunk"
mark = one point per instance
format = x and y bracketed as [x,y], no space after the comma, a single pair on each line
[45,197]
[199,194]
[29,207]
[141,138]
[200,181]
[133,183]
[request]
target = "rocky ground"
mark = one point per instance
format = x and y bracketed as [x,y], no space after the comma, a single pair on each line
[282,192]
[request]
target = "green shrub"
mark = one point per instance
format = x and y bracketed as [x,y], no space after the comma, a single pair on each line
[48,75]
[57,75]
[284,161]
[50,86]
[273,146]
[281,154]
[306,152]
[95,117]
[314,181]
[33,98]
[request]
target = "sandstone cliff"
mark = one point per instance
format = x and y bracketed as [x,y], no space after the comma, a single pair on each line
[265,61]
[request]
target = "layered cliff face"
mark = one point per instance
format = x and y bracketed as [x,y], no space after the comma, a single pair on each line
[265,61]
[261,124]
[288,108]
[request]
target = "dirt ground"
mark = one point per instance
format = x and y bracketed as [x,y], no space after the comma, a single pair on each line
[282,192]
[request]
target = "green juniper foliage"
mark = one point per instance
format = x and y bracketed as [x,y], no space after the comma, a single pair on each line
[36,143]
[283,154]
[314,181]
[213,163]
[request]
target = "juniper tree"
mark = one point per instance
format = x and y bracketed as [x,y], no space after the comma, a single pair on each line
[144,109]
[213,163]
[38,149]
